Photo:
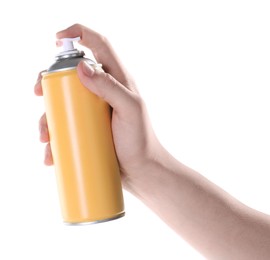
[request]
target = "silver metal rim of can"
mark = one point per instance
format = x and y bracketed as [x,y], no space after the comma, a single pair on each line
[122,214]
[96,66]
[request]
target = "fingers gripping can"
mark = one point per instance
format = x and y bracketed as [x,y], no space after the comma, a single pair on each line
[79,125]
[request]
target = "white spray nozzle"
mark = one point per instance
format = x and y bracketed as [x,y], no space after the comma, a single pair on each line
[67,43]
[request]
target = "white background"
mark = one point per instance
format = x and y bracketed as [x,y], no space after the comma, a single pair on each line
[202,68]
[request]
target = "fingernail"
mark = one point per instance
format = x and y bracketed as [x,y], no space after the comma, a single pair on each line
[88,70]
[59,43]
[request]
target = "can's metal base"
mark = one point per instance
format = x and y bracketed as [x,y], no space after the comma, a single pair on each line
[122,214]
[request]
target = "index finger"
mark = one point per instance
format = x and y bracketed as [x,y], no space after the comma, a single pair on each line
[101,49]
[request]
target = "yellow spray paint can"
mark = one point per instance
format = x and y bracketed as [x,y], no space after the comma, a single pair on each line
[79,124]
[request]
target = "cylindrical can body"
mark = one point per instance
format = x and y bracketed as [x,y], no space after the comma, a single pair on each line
[83,152]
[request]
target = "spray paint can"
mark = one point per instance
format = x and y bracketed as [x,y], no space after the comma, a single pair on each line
[79,124]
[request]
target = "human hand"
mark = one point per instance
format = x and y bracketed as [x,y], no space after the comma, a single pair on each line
[134,140]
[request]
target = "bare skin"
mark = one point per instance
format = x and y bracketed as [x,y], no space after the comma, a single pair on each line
[212,221]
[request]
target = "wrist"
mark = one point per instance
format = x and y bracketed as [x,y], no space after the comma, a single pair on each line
[144,181]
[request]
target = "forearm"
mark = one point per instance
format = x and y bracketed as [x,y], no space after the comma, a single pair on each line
[212,221]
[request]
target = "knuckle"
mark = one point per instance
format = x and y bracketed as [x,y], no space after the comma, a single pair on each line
[76,25]
[138,103]
[104,43]
[103,39]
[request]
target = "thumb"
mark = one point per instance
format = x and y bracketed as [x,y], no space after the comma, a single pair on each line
[104,85]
